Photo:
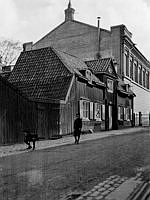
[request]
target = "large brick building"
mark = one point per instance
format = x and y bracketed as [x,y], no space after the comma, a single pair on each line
[88,42]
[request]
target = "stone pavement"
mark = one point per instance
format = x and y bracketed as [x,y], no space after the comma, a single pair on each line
[114,188]
[43,144]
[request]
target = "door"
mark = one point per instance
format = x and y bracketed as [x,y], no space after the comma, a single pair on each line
[110,117]
[42,123]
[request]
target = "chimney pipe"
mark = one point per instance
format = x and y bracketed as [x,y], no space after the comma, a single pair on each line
[98,25]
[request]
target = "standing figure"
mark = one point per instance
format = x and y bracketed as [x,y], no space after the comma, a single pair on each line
[77,128]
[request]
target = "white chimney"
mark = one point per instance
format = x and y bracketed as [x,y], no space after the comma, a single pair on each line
[27,46]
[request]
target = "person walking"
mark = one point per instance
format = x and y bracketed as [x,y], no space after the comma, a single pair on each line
[77,128]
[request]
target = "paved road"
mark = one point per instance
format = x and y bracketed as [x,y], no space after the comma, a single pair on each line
[53,173]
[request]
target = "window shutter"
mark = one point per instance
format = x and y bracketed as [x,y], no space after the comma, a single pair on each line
[119,110]
[95,111]
[91,110]
[81,108]
[130,114]
[125,114]
[103,112]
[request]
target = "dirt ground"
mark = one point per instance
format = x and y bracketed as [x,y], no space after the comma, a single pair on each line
[56,172]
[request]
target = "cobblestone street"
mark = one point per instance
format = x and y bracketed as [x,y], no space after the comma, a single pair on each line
[21,148]
[60,170]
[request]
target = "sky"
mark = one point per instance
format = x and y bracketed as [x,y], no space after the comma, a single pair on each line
[30,20]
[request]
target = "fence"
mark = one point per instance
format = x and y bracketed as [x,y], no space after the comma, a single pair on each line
[141,119]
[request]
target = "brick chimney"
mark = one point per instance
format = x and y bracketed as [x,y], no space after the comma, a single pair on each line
[27,46]
[69,12]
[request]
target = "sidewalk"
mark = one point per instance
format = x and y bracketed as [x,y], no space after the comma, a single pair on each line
[21,148]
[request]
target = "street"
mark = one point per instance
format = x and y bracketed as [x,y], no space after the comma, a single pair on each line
[53,173]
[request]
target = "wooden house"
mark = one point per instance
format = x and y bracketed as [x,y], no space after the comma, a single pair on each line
[118,95]
[60,85]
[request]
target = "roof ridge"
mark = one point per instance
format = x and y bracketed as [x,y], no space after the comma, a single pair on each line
[49,47]
[60,58]
[90,25]
[98,59]
[66,53]
[49,33]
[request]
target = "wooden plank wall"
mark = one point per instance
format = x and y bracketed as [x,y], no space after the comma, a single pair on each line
[68,111]
[48,120]
[16,114]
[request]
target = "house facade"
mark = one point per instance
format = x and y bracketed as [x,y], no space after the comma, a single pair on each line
[119,98]
[87,42]
[61,85]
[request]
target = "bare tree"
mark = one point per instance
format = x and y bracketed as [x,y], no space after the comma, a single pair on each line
[9,51]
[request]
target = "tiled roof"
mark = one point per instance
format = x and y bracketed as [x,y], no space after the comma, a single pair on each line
[121,88]
[45,74]
[41,75]
[99,65]
[74,64]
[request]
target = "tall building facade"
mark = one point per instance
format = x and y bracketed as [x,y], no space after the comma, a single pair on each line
[88,42]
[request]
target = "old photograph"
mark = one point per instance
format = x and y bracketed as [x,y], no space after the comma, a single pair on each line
[75,100]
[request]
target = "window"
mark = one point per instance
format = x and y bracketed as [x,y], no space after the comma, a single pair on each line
[120,113]
[127,87]
[136,71]
[140,74]
[89,75]
[84,109]
[127,117]
[147,80]
[97,111]
[131,67]
[144,77]
[124,113]
[92,111]
[126,63]
[110,85]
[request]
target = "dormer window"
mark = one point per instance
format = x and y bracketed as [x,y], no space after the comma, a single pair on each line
[88,75]
[127,87]
[110,70]
[110,85]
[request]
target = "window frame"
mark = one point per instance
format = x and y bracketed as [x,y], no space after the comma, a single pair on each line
[97,107]
[110,88]
[120,113]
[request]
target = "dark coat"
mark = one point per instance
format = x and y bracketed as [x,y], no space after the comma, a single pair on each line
[30,137]
[78,124]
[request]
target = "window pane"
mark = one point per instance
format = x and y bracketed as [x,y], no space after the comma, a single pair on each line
[91,110]
[97,111]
